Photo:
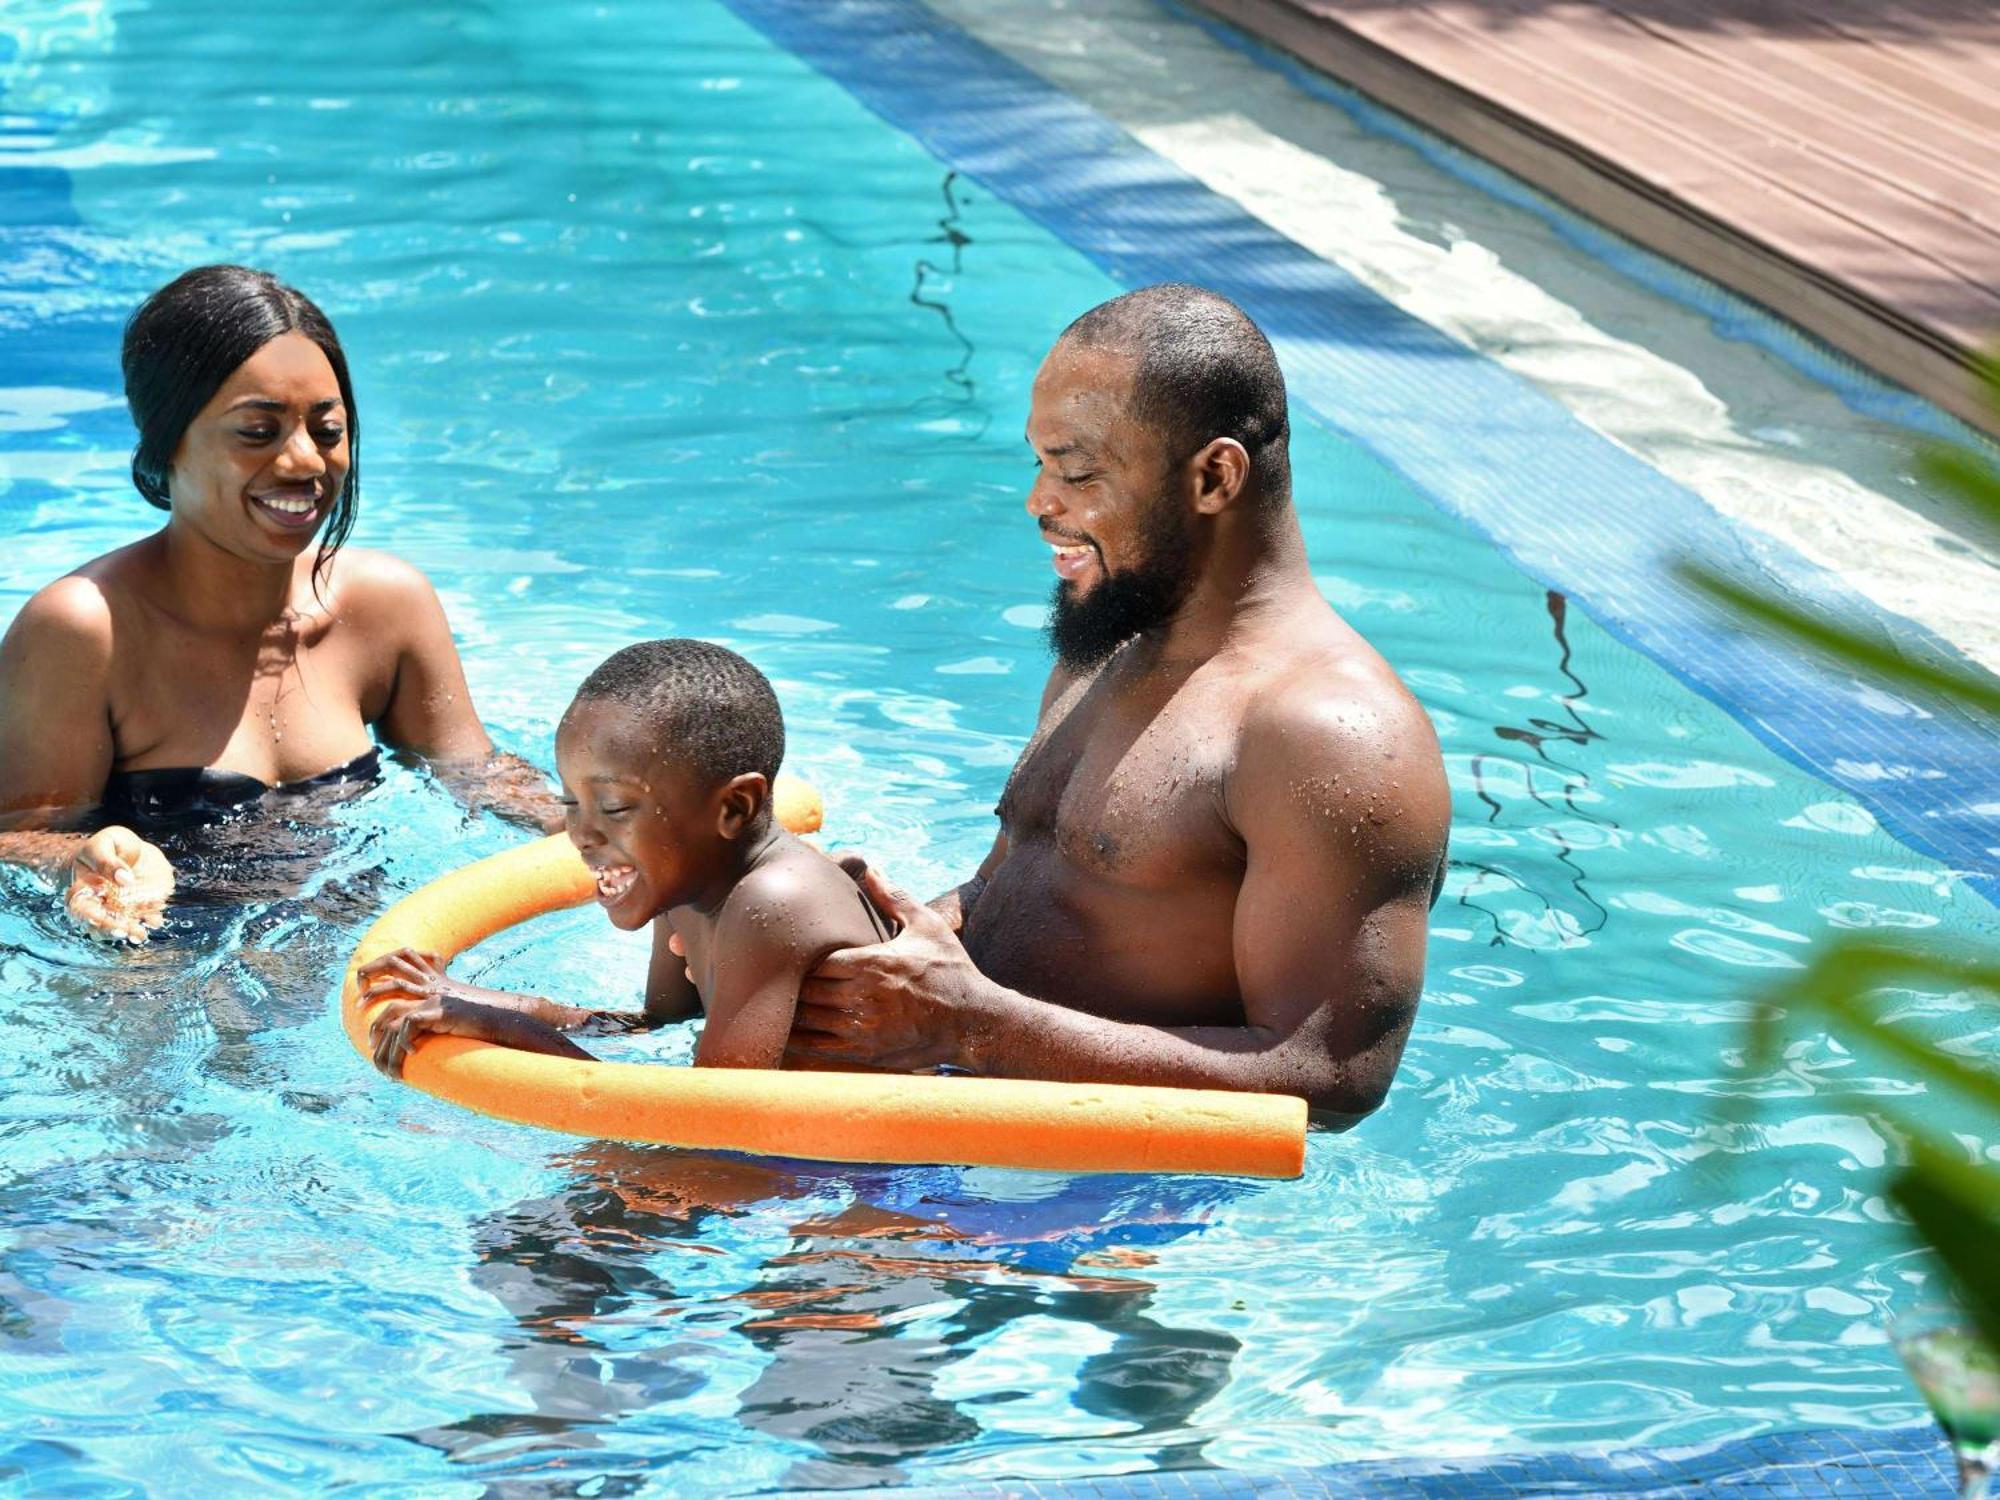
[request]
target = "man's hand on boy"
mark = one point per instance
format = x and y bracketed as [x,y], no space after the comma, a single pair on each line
[907,1004]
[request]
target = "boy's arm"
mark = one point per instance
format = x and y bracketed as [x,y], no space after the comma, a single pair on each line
[670,994]
[776,925]
[422,976]
[401,1022]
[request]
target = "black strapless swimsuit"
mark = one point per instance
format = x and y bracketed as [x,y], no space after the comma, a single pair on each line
[197,794]
[238,845]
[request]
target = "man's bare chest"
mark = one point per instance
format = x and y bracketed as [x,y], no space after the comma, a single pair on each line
[1126,787]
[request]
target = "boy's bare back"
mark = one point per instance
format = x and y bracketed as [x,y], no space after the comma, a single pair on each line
[748,957]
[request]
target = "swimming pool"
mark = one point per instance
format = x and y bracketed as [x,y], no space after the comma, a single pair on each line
[658,329]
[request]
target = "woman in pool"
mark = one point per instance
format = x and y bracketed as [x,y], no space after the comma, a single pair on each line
[240,650]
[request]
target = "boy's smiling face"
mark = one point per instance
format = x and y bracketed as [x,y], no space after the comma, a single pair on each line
[642,820]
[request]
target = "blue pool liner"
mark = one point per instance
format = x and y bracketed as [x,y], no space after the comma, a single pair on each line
[1567,505]
[1903,1463]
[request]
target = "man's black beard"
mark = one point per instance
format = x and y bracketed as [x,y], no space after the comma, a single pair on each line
[1085,631]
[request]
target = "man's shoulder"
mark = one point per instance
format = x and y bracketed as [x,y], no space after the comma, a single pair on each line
[1326,690]
[1332,729]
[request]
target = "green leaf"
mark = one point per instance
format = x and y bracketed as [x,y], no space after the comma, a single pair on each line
[1925,1061]
[1952,1202]
[1837,989]
[1959,1230]
[1967,686]
[1986,370]
[1964,475]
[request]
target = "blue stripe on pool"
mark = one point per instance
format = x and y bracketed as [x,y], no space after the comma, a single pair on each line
[1568,506]
[1905,1463]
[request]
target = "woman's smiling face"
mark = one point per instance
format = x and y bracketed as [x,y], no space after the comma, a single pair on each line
[262,464]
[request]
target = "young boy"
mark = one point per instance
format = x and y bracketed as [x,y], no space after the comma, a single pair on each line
[666,756]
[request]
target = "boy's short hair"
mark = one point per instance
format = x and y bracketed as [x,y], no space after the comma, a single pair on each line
[708,706]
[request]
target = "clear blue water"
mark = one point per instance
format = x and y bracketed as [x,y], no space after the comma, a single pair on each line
[650,331]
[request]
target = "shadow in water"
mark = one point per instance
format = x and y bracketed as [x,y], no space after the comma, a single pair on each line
[932,290]
[1563,786]
[857,1320]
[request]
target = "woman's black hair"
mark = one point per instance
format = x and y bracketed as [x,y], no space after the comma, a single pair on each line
[189,337]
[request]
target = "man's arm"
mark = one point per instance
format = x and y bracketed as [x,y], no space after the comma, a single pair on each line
[1341,844]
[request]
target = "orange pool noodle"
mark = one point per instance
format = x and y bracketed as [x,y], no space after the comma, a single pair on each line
[863,1117]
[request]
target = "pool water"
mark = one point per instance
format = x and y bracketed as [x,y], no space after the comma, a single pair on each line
[656,331]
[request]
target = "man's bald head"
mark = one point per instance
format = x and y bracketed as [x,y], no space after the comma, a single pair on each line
[1201,370]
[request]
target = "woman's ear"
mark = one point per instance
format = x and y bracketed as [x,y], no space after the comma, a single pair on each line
[739,800]
[1220,470]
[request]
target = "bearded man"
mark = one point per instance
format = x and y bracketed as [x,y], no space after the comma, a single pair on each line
[1217,855]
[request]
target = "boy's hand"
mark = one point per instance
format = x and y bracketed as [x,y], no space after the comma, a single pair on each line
[420,976]
[119,885]
[400,1022]
[396,1028]
[417,989]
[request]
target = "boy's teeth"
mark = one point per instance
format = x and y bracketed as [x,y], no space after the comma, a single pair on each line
[289,506]
[613,882]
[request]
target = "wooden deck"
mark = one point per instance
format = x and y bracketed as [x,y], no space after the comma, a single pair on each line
[1837,161]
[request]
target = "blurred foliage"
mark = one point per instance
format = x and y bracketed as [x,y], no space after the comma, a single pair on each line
[1947,1184]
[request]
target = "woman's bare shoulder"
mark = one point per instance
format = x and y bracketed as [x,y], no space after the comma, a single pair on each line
[379,588]
[380,575]
[74,616]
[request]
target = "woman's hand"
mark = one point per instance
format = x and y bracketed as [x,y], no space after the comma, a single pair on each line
[119,885]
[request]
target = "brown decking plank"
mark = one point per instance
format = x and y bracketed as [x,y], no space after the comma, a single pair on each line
[1943,207]
[1866,260]
[1916,124]
[1941,76]
[1691,129]
[1887,324]
[1800,99]
[1903,20]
